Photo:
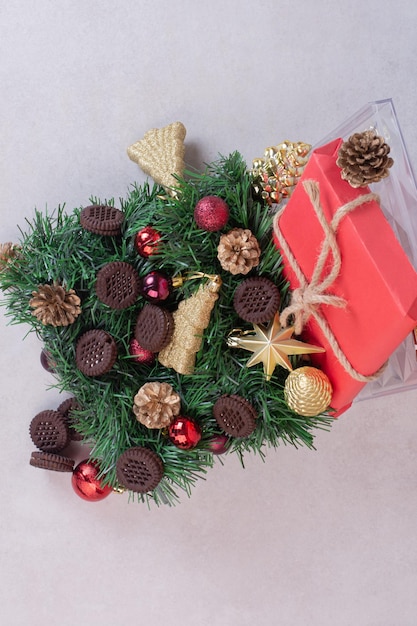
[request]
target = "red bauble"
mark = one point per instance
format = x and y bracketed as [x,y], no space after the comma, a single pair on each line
[211,213]
[85,482]
[146,241]
[218,444]
[46,361]
[156,286]
[184,432]
[139,354]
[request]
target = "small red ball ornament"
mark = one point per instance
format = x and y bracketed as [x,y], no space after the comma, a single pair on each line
[184,432]
[86,484]
[218,444]
[146,241]
[211,213]
[156,286]
[139,354]
[46,361]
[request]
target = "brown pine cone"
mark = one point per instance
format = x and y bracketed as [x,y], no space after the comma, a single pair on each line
[54,306]
[156,405]
[8,252]
[364,159]
[238,251]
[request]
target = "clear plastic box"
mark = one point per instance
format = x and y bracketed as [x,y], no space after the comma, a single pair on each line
[398,194]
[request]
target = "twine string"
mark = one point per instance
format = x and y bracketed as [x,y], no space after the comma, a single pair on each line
[309,296]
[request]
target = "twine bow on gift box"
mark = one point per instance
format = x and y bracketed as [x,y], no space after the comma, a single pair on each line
[309,296]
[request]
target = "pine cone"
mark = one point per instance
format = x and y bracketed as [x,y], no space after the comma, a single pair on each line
[8,252]
[238,251]
[364,159]
[54,306]
[156,405]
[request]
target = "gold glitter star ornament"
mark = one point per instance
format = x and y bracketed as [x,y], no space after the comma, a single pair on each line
[271,345]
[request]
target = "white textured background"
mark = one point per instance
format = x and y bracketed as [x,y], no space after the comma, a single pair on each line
[324,538]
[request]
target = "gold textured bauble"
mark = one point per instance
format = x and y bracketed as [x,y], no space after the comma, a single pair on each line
[308,391]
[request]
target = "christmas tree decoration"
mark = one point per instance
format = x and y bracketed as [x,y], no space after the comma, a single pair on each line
[364,159]
[276,174]
[156,405]
[184,432]
[117,285]
[156,286]
[271,345]
[55,306]
[238,251]
[8,252]
[190,320]
[211,213]
[147,241]
[161,154]
[308,391]
[88,484]
[219,444]
[139,354]
[46,361]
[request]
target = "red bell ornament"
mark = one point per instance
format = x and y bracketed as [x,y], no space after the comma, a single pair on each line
[86,484]
[146,241]
[184,432]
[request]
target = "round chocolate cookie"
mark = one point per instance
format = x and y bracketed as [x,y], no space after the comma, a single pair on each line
[95,353]
[256,300]
[66,408]
[154,327]
[49,431]
[49,461]
[139,469]
[235,415]
[102,220]
[117,285]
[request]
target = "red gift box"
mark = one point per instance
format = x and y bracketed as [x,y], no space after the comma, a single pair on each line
[376,280]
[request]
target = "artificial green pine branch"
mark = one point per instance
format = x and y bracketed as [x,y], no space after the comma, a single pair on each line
[56,248]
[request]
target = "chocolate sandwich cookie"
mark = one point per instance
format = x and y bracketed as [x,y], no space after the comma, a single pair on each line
[235,415]
[49,431]
[139,469]
[256,300]
[117,285]
[49,461]
[95,352]
[102,219]
[154,327]
[66,409]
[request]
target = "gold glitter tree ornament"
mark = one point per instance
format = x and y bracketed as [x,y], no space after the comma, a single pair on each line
[308,391]
[271,345]
[55,306]
[277,173]
[160,154]
[191,319]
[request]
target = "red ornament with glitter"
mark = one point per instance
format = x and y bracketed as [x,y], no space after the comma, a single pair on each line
[86,484]
[139,354]
[211,213]
[156,286]
[184,432]
[146,241]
